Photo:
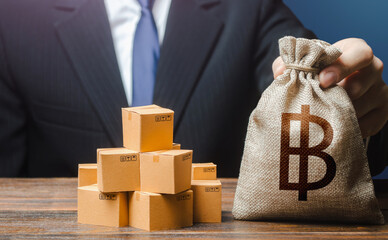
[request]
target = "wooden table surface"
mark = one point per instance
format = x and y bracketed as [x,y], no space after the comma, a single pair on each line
[47,208]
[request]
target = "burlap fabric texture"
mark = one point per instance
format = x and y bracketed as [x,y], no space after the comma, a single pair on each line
[304,157]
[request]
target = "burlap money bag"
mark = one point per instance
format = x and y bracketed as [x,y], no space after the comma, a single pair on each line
[304,157]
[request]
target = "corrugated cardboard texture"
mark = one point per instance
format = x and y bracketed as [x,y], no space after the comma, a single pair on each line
[118,170]
[207,200]
[204,171]
[152,211]
[106,209]
[147,128]
[165,171]
[87,174]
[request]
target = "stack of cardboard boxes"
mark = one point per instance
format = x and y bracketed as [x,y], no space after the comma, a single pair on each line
[150,183]
[207,193]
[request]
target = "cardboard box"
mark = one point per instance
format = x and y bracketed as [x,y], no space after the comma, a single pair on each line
[118,170]
[153,211]
[104,149]
[204,171]
[207,200]
[87,174]
[106,209]
[147,128]
[176,146]
[165,171]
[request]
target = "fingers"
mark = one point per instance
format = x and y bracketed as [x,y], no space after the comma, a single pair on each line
[373,122]
[356,55]
[359,72]
[372,110]
[376,97]
[358,83]
[278,67]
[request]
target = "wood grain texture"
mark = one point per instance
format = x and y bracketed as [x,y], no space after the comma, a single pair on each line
[46,209]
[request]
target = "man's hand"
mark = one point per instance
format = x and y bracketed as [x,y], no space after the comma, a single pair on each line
[359,72]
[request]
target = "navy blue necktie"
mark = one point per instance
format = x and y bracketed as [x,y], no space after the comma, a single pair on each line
[145,56]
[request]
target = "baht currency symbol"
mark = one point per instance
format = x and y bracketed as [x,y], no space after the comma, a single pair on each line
[304,151]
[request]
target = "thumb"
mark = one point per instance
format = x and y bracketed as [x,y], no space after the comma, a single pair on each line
[356,54]
[278,67]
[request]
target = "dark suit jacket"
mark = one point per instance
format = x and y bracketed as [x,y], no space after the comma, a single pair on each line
[61,93]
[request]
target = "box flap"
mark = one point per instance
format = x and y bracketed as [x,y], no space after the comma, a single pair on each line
[150,111]
[206,182]
[148,193]
[92,187]
[141,107]
[117,151]
[87,165]
[209,164]
[174,152]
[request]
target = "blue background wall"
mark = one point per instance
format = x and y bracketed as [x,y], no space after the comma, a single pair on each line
[333,20]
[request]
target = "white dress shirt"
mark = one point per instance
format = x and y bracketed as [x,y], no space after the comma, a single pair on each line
[123,16]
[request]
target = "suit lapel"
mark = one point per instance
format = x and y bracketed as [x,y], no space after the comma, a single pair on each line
[191,35]
[85,36]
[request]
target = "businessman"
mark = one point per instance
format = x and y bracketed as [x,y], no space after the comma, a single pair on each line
[67,67]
